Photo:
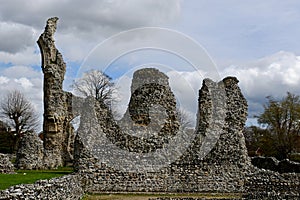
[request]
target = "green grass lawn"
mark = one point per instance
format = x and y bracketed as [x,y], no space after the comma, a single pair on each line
[30,176]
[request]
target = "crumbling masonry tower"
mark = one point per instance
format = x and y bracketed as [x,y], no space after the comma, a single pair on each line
[57,130]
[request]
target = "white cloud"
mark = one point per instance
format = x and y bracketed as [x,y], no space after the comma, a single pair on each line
[15,37]
[123,93]
[3,80]
[26,57]
[21,71]
[24,83]
[82,25]
[28,81]
[84,17]
[272,75]
[185,86]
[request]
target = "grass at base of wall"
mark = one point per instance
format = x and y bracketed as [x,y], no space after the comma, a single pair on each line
[295,157]
[31,176]
[147,196]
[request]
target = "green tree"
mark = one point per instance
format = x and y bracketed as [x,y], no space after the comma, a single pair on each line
[282,121]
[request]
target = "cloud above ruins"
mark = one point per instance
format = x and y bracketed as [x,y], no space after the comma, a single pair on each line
[23,37]
[261,48]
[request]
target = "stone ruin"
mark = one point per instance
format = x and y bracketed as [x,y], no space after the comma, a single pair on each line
[57,129]
[58,132]
[215,161]
[6,167]
[223,169]
[141,129]
[30,153]
[271,163]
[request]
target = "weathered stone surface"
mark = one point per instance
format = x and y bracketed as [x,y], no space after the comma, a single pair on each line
[66,187]
[57,130]
[6,167]
[226,168]
[271,163]
[265,184]
[30,153]
[152,105]
[287,166]
[223,169]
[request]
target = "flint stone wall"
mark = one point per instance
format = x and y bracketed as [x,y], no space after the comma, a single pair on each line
[271,163]
[30,153]
[226,168]
[6,167]
[150,95]
[222,170]
[66,187]
[265,184]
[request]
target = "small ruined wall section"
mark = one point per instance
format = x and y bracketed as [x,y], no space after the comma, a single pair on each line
[271,163]
[57,112]
[67,187]
[265,184]
[6,167]
[30,154]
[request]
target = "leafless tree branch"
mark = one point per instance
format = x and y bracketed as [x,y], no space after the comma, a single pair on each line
[18,112]
[97,84]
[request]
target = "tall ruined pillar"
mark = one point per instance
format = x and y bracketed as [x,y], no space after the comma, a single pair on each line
[56,115]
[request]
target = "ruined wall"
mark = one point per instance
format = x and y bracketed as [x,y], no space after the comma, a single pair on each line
[151,101]
[271,163]
[216,160]
[57,112]
[265,184]
[223,169]
[30,154]
[66,187]
[6,167]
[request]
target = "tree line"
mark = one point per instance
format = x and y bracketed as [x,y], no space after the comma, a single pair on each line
[278,133]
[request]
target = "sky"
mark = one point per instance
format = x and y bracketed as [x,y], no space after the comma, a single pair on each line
[256,41]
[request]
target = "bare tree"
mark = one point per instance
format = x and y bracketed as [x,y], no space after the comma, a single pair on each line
[185,119]
[96,84]
[19,114]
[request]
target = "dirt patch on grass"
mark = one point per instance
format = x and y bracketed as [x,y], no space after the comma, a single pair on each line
[153,196]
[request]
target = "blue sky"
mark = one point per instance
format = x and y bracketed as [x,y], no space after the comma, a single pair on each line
[243,29]
[256,41]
